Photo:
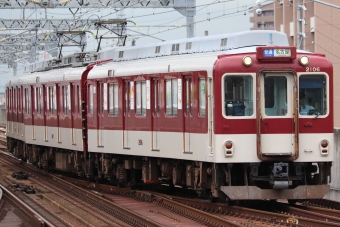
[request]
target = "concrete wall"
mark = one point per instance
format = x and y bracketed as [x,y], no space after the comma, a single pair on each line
[334,193]
[3,116]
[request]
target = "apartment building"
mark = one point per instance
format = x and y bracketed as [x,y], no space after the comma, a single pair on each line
[310,25]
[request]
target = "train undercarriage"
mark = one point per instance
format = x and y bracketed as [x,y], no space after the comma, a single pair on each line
[226,181]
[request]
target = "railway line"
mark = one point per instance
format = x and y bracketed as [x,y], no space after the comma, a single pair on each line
[156,209]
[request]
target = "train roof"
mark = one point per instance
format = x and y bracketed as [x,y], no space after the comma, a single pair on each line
[198,53]
[224,42]
[202,55]
[61,74]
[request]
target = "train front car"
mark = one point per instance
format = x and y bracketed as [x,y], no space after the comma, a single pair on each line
[273,123]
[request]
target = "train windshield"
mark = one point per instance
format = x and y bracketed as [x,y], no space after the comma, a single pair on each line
[238,95]
[312,95]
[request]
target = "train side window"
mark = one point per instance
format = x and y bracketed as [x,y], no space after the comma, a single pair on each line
[19,100]
[91,99]
[66,94]
[39,100]
[238,95]
[15,99]
[141,98]
[53,99]
[47,98]
[313,99]
[28,100]
[101,98]
[202,97]
[188,96]
[10,99]
[79,98]
[171,100]
[113,99]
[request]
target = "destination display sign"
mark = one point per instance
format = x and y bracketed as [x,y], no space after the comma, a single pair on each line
[276,53]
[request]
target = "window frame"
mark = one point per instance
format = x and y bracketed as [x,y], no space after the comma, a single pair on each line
[327,90]
[140,103]
[252,94]
[173,107]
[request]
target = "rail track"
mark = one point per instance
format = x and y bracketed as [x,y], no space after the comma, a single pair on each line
[107,213]
[23,209]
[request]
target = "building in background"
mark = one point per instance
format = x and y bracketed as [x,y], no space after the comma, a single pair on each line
[265,19]
[311,26]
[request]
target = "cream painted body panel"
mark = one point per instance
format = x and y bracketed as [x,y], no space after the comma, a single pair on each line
[36,135]
[310,147]
[171,146]
[15,130]
[269,144]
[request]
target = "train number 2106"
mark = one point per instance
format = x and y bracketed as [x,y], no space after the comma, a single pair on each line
[312,69]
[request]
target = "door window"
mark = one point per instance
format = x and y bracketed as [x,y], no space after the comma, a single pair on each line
[275,95]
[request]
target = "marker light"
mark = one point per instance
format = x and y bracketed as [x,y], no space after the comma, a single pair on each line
[228,148]
[324,143]
[324,147]
[228,144]
[304,60]
[247,61]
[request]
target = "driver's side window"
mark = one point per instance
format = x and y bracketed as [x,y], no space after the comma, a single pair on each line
[313,95]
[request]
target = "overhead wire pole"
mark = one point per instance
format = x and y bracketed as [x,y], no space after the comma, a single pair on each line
[186,7]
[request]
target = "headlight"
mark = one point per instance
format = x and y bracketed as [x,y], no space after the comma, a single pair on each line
[304,60]
[247,61]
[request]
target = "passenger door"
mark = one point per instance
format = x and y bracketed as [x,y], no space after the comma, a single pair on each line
[45,109]
[187,110]
[128,92]
[100,112]
[277,115]
[155,110]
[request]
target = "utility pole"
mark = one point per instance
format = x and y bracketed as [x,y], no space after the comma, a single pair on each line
[300,33]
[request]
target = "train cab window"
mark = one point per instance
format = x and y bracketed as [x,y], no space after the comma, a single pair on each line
[202,97]
[275,95]
[238,95]
[313,95]
[28,100]
[91,99]
[113,99]
[141,98]
[171,99]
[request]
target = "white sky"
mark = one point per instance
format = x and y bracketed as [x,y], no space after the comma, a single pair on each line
[216,17]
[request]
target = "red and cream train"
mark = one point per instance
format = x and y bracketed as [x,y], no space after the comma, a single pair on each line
[241,116]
